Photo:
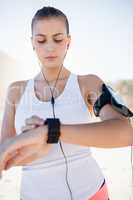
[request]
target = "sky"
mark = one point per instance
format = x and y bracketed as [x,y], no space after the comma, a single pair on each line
[101,31]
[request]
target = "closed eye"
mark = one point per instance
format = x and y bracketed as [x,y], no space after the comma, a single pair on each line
[41,41]
[57,41]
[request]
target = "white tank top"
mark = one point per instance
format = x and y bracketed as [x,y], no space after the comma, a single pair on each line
[45,178]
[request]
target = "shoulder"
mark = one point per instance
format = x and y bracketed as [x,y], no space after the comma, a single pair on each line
[17,84]
[91,80]
[15,91]
[90,84]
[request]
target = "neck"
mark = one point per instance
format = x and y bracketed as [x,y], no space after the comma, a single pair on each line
[52,73]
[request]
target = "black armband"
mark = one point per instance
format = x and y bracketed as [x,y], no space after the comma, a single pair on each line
[109,96]
[53,129]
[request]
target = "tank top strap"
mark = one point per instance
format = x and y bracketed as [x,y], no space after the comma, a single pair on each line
[70,81]
[70,85]
[73,87]
[29,87]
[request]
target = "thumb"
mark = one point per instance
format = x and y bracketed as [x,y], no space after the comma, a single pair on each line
[34,120]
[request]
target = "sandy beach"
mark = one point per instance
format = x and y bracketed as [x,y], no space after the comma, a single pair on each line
[115,164]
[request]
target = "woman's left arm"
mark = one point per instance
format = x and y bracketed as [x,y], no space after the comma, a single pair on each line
[114,130]
[105,134]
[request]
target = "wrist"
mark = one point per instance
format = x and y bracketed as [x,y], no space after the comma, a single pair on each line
[53,130]
[45,132]
[40,133]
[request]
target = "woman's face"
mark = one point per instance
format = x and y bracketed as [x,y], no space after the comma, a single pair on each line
[50,39]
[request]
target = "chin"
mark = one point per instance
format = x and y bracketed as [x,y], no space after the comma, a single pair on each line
[51,64]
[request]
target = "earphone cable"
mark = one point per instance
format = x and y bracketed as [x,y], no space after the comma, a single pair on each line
[53,103]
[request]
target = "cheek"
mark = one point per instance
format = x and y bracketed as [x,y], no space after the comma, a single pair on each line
[62,48]
[41,51]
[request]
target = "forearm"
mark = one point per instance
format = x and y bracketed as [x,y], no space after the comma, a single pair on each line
[104,134]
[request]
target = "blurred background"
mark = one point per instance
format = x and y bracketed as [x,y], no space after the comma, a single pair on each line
[102,44]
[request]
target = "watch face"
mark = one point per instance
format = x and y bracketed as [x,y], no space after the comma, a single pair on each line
[116,96]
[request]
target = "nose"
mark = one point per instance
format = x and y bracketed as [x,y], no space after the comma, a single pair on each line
[50,47]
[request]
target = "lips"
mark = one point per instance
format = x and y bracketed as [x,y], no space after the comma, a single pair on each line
[51,57]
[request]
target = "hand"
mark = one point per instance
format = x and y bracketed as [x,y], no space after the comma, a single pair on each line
[24,148]
[32,122]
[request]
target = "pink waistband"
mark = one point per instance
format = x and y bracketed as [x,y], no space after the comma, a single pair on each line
[102,194]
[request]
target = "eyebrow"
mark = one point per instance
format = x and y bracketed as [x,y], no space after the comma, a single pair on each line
[53,35]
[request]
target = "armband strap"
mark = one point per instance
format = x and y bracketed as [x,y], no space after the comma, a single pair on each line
[109,96]
[53,129]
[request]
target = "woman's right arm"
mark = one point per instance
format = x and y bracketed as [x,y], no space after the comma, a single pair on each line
[13,96]
[32,148]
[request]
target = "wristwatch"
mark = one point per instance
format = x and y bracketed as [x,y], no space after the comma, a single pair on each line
[53,129]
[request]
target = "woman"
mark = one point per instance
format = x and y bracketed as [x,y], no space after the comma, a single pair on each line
[29,105]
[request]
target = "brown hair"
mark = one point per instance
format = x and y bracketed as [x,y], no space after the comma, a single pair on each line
[47,12]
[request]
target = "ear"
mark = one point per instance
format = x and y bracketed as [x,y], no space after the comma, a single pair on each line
[69,41]
[32,42]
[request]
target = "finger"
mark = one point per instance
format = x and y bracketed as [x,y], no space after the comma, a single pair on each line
[23,154]
[4,161]
[34,120]
[10,156]
[15,143]
[21,162]
[12,145]
[4,157]
[26,156]
[27,128]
